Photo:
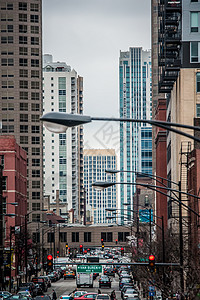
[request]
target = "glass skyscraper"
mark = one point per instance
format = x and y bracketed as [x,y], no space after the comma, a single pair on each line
[135,102]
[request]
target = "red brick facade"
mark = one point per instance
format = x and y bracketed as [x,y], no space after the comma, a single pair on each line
[161,161]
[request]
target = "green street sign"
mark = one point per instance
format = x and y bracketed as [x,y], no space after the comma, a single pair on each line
[89,269]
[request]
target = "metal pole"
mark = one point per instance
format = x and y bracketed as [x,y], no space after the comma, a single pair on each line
[181,241]
[10,275]
[163,255]
[26,250]
[150,234]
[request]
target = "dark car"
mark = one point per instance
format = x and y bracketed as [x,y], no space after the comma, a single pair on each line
[109,272]
[16,297]
[41,281]
[5,294]
[104,281]
[52,277]
[44,297]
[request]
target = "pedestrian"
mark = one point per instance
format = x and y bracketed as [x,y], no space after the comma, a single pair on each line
[54,296]
[113,296]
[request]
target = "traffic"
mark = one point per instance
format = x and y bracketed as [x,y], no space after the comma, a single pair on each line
[66,279]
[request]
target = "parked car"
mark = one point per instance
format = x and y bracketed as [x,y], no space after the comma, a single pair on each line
[41,281]
[48,280]
[5,294]
[104,280]
[124,281]
[29,286]
[52,277]
[78,294]
[128,290]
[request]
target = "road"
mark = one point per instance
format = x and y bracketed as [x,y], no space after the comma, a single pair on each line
[67,286]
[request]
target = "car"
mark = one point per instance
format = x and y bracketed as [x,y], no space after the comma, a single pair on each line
[124,281]
[41,281]
[133,298]
[48,280]
[109,272]
[16,297]
[66,297]
[5,294]
[43,297]
[70,273]
[128,291]
[78,294]
[26,294]
[88,296]
[28,286]
[52,277]
[104,280]
[103,297]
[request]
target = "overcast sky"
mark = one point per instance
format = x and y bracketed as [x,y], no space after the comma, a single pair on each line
[88,35]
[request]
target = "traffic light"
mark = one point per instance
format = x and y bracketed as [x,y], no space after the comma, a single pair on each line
[66,248]
[122,251]
[151,263]
[81,249]
[49,263]
[101,241]
[102,246]
[58,253]
[116,241]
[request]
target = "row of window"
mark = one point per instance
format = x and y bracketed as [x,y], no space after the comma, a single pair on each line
[23,84]
[22,40]
[22,51]
[106,236]
[21,6]
[22,29]
[22,96]
[23,118]
[23,62]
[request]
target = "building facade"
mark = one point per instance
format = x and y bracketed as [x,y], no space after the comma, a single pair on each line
[96,161]
[13,160]
[135,102]
[63,153]
[21,88]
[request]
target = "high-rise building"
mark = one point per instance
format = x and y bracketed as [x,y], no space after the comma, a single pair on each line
[145,149]
[135,102]
[96,161]
[63,153]
[21,88]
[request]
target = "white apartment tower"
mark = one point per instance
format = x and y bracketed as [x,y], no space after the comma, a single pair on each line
[63,153]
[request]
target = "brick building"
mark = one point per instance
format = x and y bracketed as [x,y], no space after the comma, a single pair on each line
[14,189]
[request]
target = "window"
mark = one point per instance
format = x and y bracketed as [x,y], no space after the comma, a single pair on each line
[35,29]
[23,139]
[7,39]
[23,40]
[23,28]
[198,110]
[7,62]
[35,63]
[23,128]
[23,95]
[194,21]
[34,7]
[35,52]
[35,129]
[7,106]
[24,106]
[194,52]
[6,28]
[34,41]
[7,128]
[198,81]
[35,151]
[23,62]
[122,236]
[23,118]
[35,96]
[35,184]
[36,173]
[35,74]
[22,6]
[75,237]
[23,84]
[35,118]
[35,85]
[63,237]
[35,107]
[23,51]
[22,18]
[50,237]
[107,236]
[87,236]
[7,84]
[36,195]
[23,73]
[35,140]
[35,217]
[34,18]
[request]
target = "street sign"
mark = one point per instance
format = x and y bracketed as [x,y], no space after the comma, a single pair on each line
[151,288]
[89,268]
[151,294]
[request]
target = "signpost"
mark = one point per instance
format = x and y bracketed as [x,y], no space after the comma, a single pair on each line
[89,268]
